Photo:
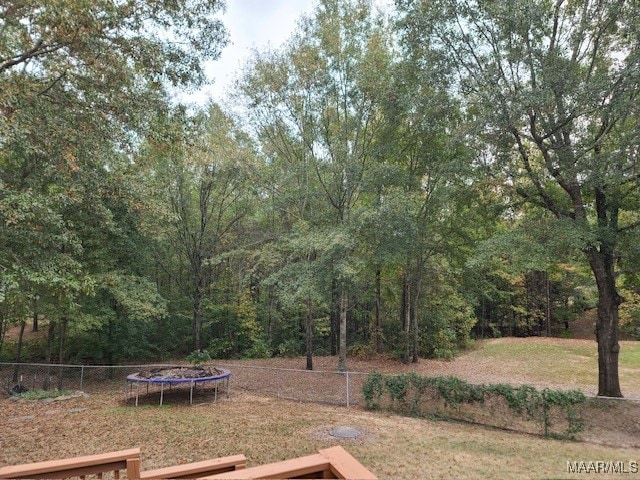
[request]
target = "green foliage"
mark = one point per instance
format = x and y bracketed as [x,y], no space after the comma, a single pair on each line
[198,357]
[42,394]
[152,230]
[259,349]
[630,314]
[373,389]
[221,348]
[551,88]
[290,347]
[412,394]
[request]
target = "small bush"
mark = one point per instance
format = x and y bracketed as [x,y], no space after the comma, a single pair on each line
[373,389]
[198,357]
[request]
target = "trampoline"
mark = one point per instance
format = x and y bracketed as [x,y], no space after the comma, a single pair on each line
[179,375]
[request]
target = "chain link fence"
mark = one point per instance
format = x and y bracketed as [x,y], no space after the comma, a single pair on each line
[327,387]
[317,386]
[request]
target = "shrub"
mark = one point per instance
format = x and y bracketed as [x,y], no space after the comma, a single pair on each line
[412,394]
[198,357]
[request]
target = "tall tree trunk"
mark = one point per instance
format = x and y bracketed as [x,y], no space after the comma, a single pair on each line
[415,320]
[4,322]
[334,318]
[309,325]
[110,334]
[484,318]
[406,318]
[35,313]
[342,350]
[16,368]
[602,265]
[63,336]
[270,326]
[197,320]
[197,308]
[51,333]
[378,317]
[547,313]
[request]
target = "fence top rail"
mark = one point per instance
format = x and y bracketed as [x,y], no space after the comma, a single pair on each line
[296,370]
[13,364]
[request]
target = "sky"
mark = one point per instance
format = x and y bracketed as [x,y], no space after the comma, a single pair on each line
[251,24]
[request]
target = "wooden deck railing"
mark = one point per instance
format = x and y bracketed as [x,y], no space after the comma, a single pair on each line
[333,462]
[127,460]
[198,469]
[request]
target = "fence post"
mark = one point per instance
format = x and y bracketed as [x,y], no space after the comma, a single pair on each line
[277,385]
[347,380]
[81,377]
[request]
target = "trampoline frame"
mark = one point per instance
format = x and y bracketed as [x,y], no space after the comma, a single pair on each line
[224,377]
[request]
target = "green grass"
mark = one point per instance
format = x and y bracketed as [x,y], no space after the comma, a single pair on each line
[42,394]
[630,355]
[558,361]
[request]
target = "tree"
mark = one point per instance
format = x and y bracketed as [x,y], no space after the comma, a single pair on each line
[199,173]
[314,102]
[78,81]
[553,89]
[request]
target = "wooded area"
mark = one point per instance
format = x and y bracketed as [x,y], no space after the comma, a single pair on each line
[390,182]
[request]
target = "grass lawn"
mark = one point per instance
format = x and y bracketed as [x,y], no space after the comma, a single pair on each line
[268,430]
[557,361]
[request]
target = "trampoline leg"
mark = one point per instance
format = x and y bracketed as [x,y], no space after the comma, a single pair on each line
[191,395]
[228,388]
[161,393]
[137,392]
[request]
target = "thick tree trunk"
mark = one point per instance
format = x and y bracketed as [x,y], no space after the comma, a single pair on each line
[602,265]
[309,325]
[342,349]
[378,317]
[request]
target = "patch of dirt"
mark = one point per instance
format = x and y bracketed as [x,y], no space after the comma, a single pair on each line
[13,333]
